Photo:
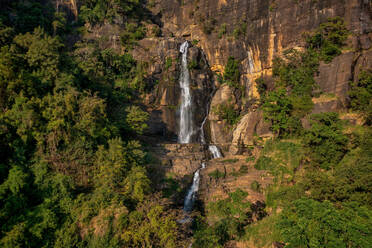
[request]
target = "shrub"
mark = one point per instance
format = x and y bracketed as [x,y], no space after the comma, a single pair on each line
[320,224]
[222,31]
[250,159]
[193,65]
[329,38]
[131,34]
[226,111]
[361,95]
[278,110]
[262,87]
[256,186]
[208,26]
[243,169]
[231,74]
[240,30]
[156,31]
[168,63]
[216,174]
[136,119]
[264,163]
[325,139]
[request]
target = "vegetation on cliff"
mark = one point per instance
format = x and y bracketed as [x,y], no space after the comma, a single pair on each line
[321,192]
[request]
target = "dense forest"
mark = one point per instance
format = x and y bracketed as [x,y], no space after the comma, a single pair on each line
[74,170]
[70,157]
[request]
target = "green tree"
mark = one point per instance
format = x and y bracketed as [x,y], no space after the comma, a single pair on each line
[326,140]
[136,119]
[308,223]
[231,74]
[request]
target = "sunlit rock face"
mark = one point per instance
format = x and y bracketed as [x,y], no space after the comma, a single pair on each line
[253,32]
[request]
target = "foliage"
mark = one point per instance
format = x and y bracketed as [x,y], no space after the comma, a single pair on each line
[261,87]
[226,111]
[308,223]
[256,186]
[156,31]
[222,31]
[277,109]
[349,181]
[232,214]
[72,172]
[208,26]
[264,232]
[131,34]
[168,63]
[194,42]
[136,119]
[264,163]
[283,107]
[97,11]
[149,228]
[326,140]
[250,159]
[361,95]
[240,30]
[193,65]
[231,75]
[329,38]
[216,174]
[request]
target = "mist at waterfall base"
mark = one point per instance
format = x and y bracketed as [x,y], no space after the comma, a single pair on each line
[186,128]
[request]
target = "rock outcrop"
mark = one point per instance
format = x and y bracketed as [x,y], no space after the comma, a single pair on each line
[251,126]
[233,172]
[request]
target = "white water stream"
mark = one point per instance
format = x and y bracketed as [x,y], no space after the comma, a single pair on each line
[215,151]
[186,128]
[186,124]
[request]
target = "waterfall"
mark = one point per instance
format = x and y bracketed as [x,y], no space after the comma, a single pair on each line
[186,128]
[191,194]
[215,151]
[186,125]
[202,135]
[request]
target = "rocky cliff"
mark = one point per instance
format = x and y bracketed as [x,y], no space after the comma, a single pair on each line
[254,32]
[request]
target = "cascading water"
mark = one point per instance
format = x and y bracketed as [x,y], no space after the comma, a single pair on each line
[215,151]
[186,124]
[186,128]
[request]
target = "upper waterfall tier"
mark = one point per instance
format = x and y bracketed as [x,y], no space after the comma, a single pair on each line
[186,125]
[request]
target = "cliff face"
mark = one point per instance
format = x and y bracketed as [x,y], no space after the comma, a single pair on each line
[254,32]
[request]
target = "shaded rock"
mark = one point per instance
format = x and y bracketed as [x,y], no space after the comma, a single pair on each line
[334,77]
[363,62]
[333,105]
